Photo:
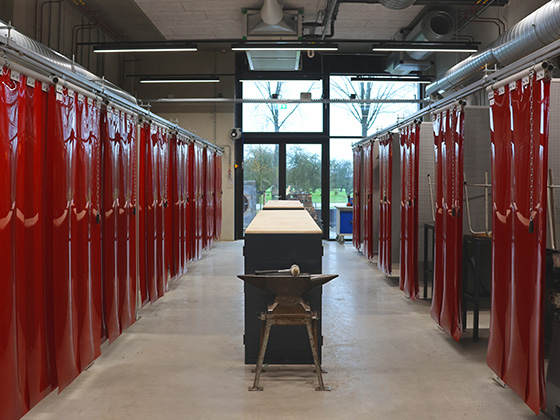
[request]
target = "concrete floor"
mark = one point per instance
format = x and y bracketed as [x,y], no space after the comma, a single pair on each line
[385,356]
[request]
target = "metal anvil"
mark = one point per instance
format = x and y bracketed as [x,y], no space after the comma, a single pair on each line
[288,308]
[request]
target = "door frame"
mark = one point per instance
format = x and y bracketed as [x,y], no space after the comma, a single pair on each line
[282,140]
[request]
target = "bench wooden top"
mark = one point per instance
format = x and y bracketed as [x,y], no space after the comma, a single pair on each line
[283,221]
[283,205]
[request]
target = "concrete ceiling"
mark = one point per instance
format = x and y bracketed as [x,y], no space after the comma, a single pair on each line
[222,19]
[123,16]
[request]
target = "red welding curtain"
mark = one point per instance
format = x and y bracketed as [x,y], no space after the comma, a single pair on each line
[174,156]
[182,174]
[519,127]
[385,197]
[25,377]
[448,143]
[210,194]
[86,229]
[357,209]
[218,198]
[30,240]
[409,142]
[144,184]
[199,204]
[367,248]
[119,252]
[204,195]
[191,202]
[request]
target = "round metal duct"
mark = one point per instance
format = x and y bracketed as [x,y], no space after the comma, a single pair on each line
[397,4]
[271,12]
[528,35]
[437,25]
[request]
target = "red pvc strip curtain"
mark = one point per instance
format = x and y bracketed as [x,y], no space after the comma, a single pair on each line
[159,150]
[199,205]
[218,198]
[186,216]
[192,200]
[448,142]
[357,209]
[204,197]
[145,207]
[519,128]
[181,218]
[367,200]
[175,203]
[25,377]
[210,197]
[127,221]
[62,146]
[86,230]
[409,142]
[119,245]
[30,240]
[385,198]
[167,152]
[12,402]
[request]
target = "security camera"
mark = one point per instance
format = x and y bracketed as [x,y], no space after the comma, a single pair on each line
[235,133]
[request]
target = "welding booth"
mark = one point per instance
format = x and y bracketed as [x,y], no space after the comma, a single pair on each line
[101,205]
[490,207]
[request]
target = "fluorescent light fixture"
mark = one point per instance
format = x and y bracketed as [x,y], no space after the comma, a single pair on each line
[185,80]
[426,46]
[285,47]
[142,50]
[391,79]
[143,47]
[426,49]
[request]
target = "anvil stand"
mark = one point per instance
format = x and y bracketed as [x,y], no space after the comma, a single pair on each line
[288,308]
[309,319]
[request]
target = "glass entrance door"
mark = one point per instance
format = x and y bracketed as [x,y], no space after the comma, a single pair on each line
[260,178]
[303,177]
[282,171]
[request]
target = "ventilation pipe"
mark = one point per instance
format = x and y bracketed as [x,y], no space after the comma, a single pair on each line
[535,31]
[397,4]
[43,54]
[271,12]
[435,26]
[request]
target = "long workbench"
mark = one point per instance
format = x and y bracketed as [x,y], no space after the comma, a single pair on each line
[283,205]
[273,241]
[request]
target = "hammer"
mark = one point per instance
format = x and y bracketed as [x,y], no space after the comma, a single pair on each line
[293,270]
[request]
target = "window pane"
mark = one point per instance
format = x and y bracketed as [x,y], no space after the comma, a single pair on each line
[303,177]
[355,119]
[278,117]
[341,178]
[260,178]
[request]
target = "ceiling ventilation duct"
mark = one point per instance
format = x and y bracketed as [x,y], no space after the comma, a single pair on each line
[53,59]
[272,23]
[271,12]
[274,60]
[535,31]
[435,26]
[397,4]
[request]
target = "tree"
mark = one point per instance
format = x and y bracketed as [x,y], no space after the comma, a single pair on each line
[303,173]
[274,90]
[341,175]
[366,112]
[261,165]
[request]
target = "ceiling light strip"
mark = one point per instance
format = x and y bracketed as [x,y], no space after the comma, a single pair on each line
[216,80]
[143,50]
[425,49]
[284,47]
